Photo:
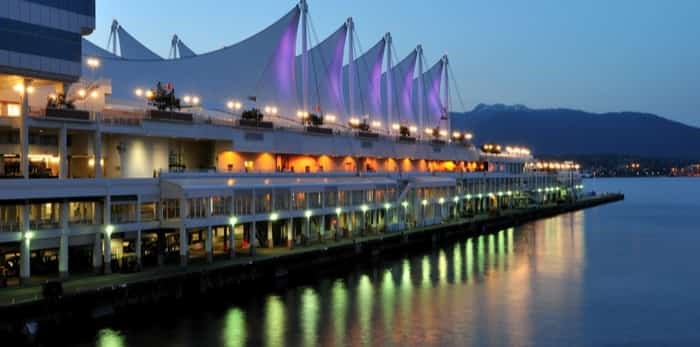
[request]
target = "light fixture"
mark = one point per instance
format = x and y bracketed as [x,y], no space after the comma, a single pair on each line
[149,94]
[376,124]
[138,92]
[443,133]
[413,128]
[456,134]
[441,201]
[354,121]
[455,199]
[187,99]
[28,235]
[82,93]
[195,100]
[364,208]
[396,126]
[109,230]
[93,62]
[230,105]
[94,94]
[233,221]
[429,131]
[387,205]
[274,216]
[338,210]
[308,213]
[330,118]
[404,204]
[424,202]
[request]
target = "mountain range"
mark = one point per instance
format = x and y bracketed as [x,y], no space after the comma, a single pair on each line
[556,132]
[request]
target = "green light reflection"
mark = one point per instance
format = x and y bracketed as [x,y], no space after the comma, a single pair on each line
[309,317]
[274,322]
[339,307]
[442,267]
[110,338]
[365,298]
[457,263]
[425,272]
[234,328]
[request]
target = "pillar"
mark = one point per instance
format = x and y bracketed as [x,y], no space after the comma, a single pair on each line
[184,247]
[97,149]
[63,153]
[270,240]
[307,229]
[97,252]
[138,250]
[107,243]
[64,242]
[290,233]
[209,244]
[322,227]
[337,226]
[252,237]
[24,130]
[25,248]
[232,241]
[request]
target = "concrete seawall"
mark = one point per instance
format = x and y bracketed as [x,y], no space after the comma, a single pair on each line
[105,295]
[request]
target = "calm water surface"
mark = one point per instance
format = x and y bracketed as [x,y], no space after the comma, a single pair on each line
[625,274]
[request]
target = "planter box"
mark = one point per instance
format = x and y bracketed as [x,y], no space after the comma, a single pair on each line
[158,115]
[255,124]
[319,130]
[407,139]
[67,114]
[367,134]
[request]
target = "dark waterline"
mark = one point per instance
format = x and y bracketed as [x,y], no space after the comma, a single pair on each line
[620,274]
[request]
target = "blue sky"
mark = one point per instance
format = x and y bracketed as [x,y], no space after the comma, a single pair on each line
[594,55]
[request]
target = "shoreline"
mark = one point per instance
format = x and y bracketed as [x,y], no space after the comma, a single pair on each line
[95,297]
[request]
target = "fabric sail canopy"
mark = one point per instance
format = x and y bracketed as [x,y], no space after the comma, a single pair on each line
[402,87]
[262,66]
[185,52]
[132,48]
[324,75]
[366,82]
[92,50]
[432,104]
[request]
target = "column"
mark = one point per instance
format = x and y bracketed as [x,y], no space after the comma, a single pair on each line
[64,243]
[252,236]
[24,130]
[232,241]
[322,227]
[307,229]
[63,153]
[209,245]
[270,241]
[337,226]
[97,149]
[139,241]
[290,233]
[107,229]
[184,247]
[25,248]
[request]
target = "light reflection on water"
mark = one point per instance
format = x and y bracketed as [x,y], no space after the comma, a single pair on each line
[478,291]
[613,275]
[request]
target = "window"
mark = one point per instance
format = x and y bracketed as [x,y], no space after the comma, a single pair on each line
[14,110]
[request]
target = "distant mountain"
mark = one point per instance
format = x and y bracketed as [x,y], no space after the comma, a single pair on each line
[553,132]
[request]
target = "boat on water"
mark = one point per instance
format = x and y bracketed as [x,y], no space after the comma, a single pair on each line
[119,159]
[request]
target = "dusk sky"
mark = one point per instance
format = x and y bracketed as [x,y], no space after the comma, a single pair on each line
[596,55]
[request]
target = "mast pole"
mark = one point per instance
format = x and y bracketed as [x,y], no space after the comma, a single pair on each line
[351,67]
[421,91]
[113,36]
[447,96]
[389,89]
[304,56]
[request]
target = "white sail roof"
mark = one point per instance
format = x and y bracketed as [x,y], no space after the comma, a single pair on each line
[367,82]
[185,52]
[92,50]
[432,104]
[132,48]
[325,75]
[402,86]
[260,66]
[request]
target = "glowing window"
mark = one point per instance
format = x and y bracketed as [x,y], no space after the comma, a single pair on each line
[14,110]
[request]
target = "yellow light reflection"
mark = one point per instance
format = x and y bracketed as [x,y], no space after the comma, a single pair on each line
[365,299]
[339,307]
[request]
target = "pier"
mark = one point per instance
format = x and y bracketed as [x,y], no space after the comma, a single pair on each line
[95,296]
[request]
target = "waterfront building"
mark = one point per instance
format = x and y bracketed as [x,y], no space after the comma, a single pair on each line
[265,147]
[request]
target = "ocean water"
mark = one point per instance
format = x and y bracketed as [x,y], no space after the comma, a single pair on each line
[624,274]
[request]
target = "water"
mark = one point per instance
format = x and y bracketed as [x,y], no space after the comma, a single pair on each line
[624,274]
